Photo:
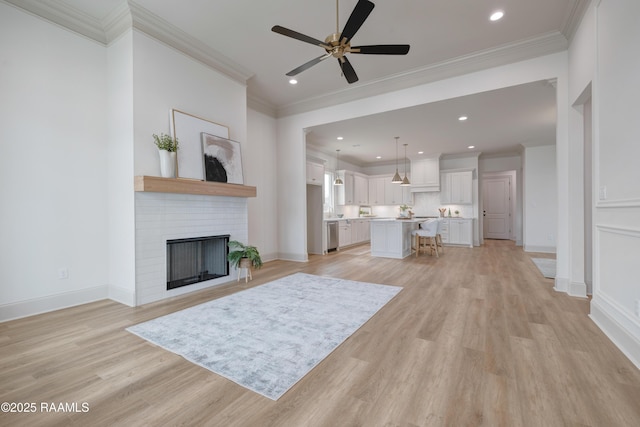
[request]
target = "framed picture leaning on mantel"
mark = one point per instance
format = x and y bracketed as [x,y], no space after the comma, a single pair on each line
[222,159]
[188,129]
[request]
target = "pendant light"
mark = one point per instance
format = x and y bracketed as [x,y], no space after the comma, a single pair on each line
[396,178]
[405,180]
[338,181]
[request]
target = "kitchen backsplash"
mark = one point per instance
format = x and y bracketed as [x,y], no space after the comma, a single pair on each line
[424,204]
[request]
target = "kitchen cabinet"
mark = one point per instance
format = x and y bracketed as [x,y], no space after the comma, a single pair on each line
[456,187]
[425,174]
[355,190]
[360,189]
[344,233]
[391,238]
[376,190]
[315,173]
[353,232]
[395,194]
[457,231]
[360,231]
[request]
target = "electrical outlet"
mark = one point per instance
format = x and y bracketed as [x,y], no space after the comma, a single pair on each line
[603,192]
[63,273]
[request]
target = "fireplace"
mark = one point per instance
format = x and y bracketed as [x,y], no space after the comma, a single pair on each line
[196,259]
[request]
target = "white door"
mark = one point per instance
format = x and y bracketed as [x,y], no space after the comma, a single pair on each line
[496,204]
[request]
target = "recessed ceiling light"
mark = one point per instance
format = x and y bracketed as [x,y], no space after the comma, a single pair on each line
[471,146]
[420,152]
[497,15]
[378,157]
[339,138]
[463,118]
[293,81]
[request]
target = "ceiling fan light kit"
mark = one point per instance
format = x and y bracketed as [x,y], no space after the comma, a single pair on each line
[339,43]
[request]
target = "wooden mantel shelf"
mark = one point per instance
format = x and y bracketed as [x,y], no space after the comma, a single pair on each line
[158,184]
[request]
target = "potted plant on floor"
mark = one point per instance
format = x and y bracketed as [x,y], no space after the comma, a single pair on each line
[167,149]
[243,256]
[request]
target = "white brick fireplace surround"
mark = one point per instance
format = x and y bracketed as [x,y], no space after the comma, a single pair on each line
[165,216]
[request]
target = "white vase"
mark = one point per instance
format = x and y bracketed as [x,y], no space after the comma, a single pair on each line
[167,163]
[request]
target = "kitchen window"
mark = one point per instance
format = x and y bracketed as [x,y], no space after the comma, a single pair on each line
[328,205]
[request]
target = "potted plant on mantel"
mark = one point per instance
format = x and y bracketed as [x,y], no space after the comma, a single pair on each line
[167,149]
[243,256]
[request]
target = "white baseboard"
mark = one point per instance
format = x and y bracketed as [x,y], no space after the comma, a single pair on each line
[541,249]
[561,284]
[622,329]
[35,306]
[293,257]
[578,289]
[121,295]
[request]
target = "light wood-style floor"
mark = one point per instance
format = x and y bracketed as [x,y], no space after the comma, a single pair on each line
[476,337]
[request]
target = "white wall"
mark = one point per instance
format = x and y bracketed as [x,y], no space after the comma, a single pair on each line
[540,199]
[52,169]
[260,169]
[616,287]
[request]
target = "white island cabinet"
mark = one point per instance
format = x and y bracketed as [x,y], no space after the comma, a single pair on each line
[391,238]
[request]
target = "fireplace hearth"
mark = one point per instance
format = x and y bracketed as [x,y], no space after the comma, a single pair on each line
[196,259]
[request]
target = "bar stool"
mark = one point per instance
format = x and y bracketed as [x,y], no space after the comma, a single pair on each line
[425,237]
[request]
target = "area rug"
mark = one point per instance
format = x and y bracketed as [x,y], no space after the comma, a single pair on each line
[546,266]
[268,337]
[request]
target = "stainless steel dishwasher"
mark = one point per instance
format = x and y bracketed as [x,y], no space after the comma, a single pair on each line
[332,236]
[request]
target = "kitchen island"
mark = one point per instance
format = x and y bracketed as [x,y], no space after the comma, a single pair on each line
[391,238]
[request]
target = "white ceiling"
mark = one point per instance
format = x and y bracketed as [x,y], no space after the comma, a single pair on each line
[439,32]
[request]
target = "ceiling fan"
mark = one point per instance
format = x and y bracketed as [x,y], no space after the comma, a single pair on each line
[338,44]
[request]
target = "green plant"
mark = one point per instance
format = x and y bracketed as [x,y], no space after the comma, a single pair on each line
[404,207]
[239,250]
[165,142]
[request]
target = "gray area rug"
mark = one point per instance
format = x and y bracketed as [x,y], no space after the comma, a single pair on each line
[268,337]
[546,266]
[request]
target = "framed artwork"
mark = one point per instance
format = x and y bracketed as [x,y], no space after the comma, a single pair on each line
[221,159]
[188,129]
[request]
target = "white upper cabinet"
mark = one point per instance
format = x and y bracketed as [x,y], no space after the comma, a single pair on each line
[376,191]
[425,174]
[315,173]
[355,190]
[395,194]
[360,189]
[456,187]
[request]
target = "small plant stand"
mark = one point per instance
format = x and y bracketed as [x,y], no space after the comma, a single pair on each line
[245,264]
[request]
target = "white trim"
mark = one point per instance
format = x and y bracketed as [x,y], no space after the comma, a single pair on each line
[541,249]
[293,257]
[561,284]
[619,203]
[625,231]
[40,305]
[122,295]
[618,326]
[577,289]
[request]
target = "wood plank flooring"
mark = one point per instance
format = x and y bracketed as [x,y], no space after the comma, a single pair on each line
[476,337]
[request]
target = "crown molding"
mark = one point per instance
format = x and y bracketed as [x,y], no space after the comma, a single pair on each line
[163,31]
[545,44]
[572,19]
[63,15]
[260,105]
[131,15]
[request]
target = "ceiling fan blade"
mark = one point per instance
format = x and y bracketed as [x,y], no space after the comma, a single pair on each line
[298,36]
[307,65]
[357,18]
[381,49]
[347,70]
